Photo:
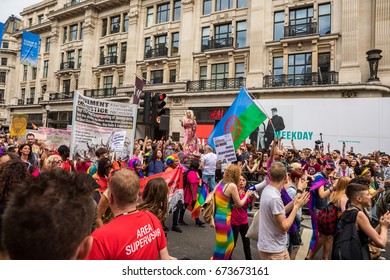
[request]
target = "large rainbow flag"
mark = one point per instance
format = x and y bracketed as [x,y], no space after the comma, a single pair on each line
[202,193]
[242,118]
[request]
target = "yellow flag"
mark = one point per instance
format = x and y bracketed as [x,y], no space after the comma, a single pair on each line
[34,126]
[18,125]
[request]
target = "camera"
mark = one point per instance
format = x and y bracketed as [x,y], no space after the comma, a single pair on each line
[318,142]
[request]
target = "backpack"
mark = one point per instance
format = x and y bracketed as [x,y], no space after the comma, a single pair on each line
[346,244]
[327,219]
[208,209]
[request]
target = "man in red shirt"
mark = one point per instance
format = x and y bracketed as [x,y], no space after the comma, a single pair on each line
[312,167]
[132,234]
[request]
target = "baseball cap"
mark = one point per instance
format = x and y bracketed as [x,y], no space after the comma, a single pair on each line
[312,156]
[329,164]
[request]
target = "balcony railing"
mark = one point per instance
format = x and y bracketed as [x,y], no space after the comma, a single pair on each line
[71,3]
[67,65]
[216,84]
[108,60]
[20,101]
[219,43]
[101,93]
[61,96]
[300,29]
[29,101]
[309,79]
[157,52]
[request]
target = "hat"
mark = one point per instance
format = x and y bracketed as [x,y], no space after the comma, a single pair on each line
[329,164]
[274,109]
[312,156]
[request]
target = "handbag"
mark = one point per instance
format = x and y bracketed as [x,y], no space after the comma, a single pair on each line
[253,230]
[327,219]
[208,209]
[375,253]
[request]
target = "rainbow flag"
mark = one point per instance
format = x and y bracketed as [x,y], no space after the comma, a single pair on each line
[319,181]
[203,191]
[242,118]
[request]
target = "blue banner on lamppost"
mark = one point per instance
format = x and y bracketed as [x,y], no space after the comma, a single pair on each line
[29,51]
[1,32]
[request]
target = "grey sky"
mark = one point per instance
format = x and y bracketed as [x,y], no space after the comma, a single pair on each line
[9,7]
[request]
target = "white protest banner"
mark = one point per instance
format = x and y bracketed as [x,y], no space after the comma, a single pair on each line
[38,134]
[55,137]
[118,140]
[224,148]
[96,121]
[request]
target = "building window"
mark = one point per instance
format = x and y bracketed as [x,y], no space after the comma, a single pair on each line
[324,19]
[172,76]
[81,30]
[123,52]
[24,72]
[2,93]
[73,32]
[125,22]
[203,73]
[5,45]
[299,66]
[70,57]
[121,80]
[79,57]
[176,10]
[147,46]
[47,45]
[277,66]
[40,19]
[207,6]
[156,77]
[113,53]
[45,68]
[220,71]
[30,22]
[65,38]
[115,24]
[163,13]
[242,3]
[66,87]
[300,21]
[205,38]
[108,82]
[324,68]
[160,41]
[149,17]
[104,27]
[32,93]
[3,75]
[241,34]
[33,73]
[223,5]
[4,61]
[278,25]
[240,70]
[222,34]
[175,44]
[23,95]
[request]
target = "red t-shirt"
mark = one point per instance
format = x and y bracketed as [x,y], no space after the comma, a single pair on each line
[311,170]
[136,236]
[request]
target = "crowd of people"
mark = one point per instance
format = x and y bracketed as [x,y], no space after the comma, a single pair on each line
[42,191]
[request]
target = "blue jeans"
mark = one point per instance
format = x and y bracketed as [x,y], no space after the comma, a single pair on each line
[210,180]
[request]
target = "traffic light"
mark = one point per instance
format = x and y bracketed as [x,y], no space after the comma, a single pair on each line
[145,106]
[158,106]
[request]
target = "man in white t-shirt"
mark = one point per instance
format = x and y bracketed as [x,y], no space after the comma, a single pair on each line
[209,165]
[273,224]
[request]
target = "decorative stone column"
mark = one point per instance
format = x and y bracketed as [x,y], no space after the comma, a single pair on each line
[373,57]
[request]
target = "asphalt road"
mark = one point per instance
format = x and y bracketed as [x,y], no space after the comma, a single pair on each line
[197,243]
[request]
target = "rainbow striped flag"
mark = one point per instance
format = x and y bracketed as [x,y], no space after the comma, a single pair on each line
[242,118]
[203,191]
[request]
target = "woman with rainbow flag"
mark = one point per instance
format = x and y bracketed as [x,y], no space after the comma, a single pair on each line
[320,192]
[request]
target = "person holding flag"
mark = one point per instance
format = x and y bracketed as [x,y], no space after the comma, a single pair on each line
[193,194]
[242,118]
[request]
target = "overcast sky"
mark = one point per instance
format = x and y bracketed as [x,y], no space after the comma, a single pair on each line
[14,7]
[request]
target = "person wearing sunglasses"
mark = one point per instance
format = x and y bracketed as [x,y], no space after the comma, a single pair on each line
[320,192]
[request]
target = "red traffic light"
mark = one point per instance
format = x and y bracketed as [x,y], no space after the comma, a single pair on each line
[162,96]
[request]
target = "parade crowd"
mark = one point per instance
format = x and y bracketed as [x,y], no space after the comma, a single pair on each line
[54,207]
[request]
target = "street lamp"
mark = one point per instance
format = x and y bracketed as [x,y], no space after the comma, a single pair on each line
[47,108]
